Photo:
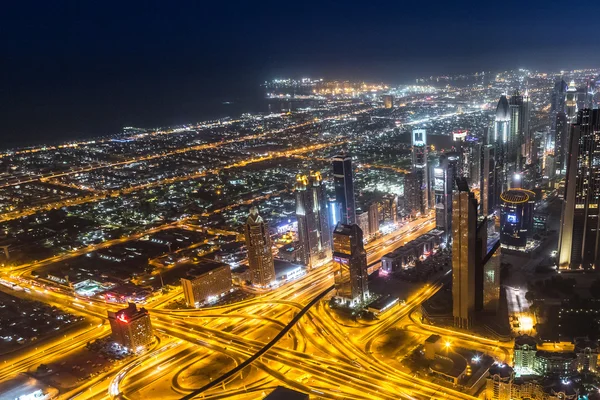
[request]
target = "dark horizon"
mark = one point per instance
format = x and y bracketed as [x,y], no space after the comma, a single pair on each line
[77,70]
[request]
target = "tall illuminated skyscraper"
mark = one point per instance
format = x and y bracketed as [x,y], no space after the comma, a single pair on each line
[343,179]
[443,178]
[420,169]
[350,265]
[528,142]
[490,179]
[464,254]
[557,105]
[517,117]
[579,240]
[561,144]
[260,253]
[502,122]
[571,102]
[313,223]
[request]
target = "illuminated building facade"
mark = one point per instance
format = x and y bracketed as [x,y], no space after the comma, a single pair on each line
[490,179]
[442,186]
[350,265]
[578,245]
[313,223]
[498,385]
[131,327]
[206,283]
[260,253]
[343,180]
[374,219]
[516,218]
[464,239]
[388,100]
[524,351]
[519,122]
[527,144]
[571,102]
[491,279]
[502,122]
[420,170]
[561,145]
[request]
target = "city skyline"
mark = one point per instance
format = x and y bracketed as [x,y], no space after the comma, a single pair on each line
[356,239]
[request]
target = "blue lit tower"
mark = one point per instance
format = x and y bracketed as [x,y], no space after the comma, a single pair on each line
[343,180]
[579,241]
[516,218]
[420,169]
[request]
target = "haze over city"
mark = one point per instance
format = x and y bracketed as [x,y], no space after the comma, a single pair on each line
[299,201]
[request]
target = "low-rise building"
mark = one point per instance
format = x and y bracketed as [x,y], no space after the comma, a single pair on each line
[131,327]
[207,280]
[554,363]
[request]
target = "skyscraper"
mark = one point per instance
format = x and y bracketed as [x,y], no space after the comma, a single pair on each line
[421,169]
[513,152]
[464,240]
[490,179]
[443,177]
[388,100]
[571,102]
[350,264]
[561,144]
[527,135]
[491,278]
[578,245]
[343,179]
[313,223]
[557,105]
[502,122]
[260,254]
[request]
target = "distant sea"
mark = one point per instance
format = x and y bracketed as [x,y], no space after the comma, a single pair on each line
[187,112]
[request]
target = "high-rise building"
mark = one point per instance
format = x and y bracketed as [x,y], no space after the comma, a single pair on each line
[491,279]
[313,222]
[516,218]
[362,220]
[527,146]
[388,100]
[557,105]
[517,117]
[561,144]
[464,239]
[206,282]
[131,327]
[443,177]
[343,179]
[421,169]
[571,102]
[502,122]
[374,219]
[350,265]
[490,179]
[260,253]
[579,245]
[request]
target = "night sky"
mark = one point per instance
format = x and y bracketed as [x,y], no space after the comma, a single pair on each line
[81,68]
